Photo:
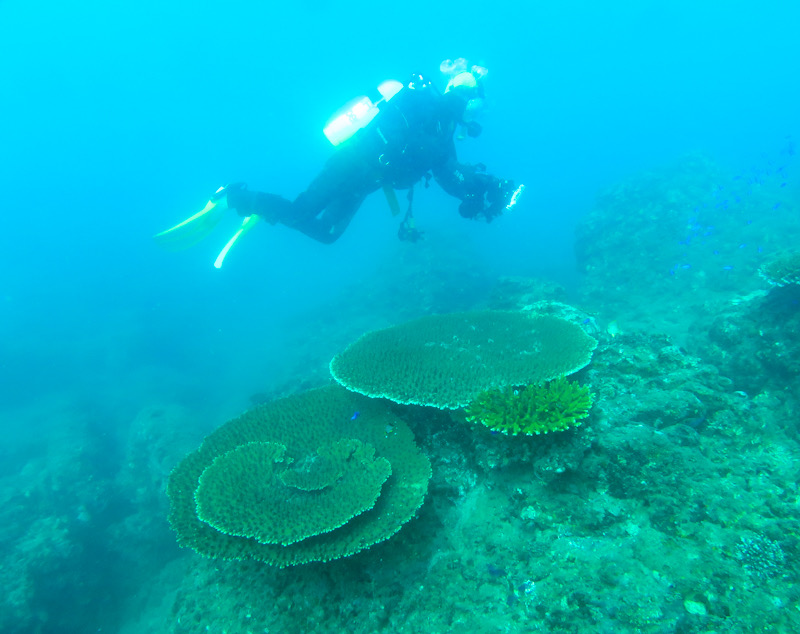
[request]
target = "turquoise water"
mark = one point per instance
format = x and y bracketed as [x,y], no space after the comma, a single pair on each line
[657,142]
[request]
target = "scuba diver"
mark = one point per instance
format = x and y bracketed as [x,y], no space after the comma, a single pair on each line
[405,137]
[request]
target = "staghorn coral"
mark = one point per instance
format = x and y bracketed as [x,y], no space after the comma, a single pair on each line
[299,480]
[782,270]
[445,361]
[533,409]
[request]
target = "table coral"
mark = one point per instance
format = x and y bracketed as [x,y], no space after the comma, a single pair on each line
[299,479]
[445,361]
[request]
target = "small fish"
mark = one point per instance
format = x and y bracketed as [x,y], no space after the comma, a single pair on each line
[355,415]
[696,421]
[613,328]
[727,268]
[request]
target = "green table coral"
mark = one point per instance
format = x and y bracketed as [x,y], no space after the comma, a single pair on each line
[445,361]
[249,491]
[534,409]
[300,479]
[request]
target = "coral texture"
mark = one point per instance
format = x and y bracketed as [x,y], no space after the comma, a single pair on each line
[534,409]
[782,270]
[445,361]
[250,492]
[312,477]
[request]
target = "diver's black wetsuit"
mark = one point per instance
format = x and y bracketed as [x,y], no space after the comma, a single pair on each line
[411,136]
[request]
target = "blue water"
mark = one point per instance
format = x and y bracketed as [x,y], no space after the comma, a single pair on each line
[117,120]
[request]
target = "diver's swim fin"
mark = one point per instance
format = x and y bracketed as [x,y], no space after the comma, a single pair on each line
[193,229]
[248,223]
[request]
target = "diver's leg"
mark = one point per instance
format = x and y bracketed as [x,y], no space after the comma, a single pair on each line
[270,207]
[319,212]
[326,208]
[328,223]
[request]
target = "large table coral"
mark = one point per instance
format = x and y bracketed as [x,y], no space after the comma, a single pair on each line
[445,361]
[312,477]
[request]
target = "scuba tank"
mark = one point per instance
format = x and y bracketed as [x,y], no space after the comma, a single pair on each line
[357,113]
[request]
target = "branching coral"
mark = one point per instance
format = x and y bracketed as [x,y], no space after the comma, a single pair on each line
[535,409]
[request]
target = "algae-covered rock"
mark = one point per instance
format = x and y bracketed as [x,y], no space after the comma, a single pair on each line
[782,270]
[445,361]
[312,477]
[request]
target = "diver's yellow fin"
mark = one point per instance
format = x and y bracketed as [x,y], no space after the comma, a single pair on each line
[248,223]
[193,229]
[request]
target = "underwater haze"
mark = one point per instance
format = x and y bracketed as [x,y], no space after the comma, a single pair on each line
[661,213]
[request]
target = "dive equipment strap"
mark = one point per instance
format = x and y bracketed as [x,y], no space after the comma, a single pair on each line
[391,199]
[408,231]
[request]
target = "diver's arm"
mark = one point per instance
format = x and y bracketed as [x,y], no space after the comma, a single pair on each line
[481,194]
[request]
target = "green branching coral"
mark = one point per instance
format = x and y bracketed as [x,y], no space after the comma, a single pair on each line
[782,270]
[445,361]
[534,409]
[299,479]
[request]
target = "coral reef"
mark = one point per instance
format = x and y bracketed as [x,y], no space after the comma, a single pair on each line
[756,343]
[679,241]
[672,510]
[445,361]
[782,270]
[300,479]
[533,409]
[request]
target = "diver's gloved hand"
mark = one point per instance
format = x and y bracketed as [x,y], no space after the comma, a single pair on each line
[498,196]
